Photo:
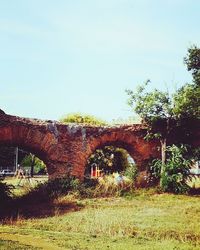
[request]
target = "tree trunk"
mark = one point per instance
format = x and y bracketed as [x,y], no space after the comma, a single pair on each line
[32,164]
[163,157]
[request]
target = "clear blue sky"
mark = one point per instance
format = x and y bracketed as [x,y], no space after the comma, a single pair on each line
[63,56]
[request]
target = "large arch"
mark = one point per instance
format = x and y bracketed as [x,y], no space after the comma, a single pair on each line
[23,138]
[33,135]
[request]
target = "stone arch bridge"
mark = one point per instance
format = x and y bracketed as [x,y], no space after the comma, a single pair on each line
[66,148]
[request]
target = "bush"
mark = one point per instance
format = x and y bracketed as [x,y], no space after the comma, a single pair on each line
[105,186]
[154,170]
[53,189]
[176,170]
[131,172]
[5,192]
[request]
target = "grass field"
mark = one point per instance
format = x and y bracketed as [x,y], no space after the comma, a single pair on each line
[143,220]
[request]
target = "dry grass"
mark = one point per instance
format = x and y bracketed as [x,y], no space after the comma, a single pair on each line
[194,182]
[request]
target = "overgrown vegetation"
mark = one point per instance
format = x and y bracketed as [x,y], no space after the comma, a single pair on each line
[131,172]
[176,170]
[82,119]
[89,188]
[171,117]
[5,192]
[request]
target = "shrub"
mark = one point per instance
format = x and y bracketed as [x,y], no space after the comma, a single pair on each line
[5,192]
[105,186]
[176,170]
[131,172]
[154,169]
[53,188]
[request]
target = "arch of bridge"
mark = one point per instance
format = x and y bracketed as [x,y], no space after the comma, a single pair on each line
[66,148]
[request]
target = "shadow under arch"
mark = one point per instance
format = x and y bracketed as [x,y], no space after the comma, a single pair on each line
[28,149]
[26,139]
[131,150]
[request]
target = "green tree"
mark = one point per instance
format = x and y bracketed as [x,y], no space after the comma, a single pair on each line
[192,60]
[82,119]
[187,102]
[34,164]
[187,98]
[167,116]
[155,109]
[177,169]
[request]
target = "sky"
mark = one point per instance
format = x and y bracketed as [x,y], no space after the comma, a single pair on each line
[64,56]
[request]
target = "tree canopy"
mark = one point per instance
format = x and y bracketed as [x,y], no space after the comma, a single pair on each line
[33,162]
[187,98]
[151,106]
[156,107]
[187,102]
[192,60]
[82,119]
[166,115]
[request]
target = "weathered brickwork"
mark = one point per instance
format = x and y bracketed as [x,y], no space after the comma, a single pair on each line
[66,148]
